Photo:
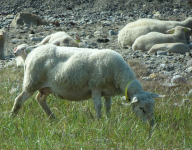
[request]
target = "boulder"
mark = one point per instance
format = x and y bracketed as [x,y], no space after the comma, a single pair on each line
[27,18]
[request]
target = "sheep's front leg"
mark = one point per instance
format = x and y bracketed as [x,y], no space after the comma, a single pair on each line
[20,99]
[108,105]
[96,96]
[41,99]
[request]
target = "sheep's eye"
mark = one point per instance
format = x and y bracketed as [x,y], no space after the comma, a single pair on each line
[142,109]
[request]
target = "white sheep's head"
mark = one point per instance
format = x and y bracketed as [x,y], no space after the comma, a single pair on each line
[22,50]
[172,31]
[143,105]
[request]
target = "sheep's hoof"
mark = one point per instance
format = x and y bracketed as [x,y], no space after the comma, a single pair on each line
[52,117]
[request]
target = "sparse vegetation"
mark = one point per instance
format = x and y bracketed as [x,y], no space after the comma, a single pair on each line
[76,126]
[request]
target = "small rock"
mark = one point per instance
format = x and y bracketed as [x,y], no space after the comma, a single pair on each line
[146,78]
[16,40]
[97,33]
[178,79]
[112,32]
[189,63]
[35,39]
[103,40]
[189,69]
[161,53]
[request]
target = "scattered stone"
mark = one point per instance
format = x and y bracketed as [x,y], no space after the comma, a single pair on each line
[161,53]
[112,33]
[178,79]
[103,40]
[98,33]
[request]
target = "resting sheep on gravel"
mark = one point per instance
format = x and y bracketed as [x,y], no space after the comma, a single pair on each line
[133,30]
[3,40]
[62,39]
[145,42]
[77,74]
[21,52]
[171,47]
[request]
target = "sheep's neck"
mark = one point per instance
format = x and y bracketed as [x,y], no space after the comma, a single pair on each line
[134,90]
[24,57]
[180,34]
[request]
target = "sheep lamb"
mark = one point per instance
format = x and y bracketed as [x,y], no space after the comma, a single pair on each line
[145,42]
[3,40]
[171,48]
[21,52]
[62,39]
[77,74]
[133,30]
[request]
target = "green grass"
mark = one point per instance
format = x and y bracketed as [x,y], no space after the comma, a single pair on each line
[76,126]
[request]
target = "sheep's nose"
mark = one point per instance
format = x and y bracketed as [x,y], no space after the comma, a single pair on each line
[15,54]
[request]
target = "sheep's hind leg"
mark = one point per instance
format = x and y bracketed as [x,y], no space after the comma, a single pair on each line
[19,100]
[96,96]
[41,99]
[108,105]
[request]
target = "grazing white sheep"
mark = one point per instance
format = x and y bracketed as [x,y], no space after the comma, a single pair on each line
[62,39]
[133,30]
[3,40]
[145,42]
[21,52]
[77,74]
[170,47]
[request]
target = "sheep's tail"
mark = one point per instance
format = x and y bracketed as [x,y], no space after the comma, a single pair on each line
[19,61]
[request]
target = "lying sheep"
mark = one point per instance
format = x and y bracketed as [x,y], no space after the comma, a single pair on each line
[62,39]
[145,42]
[3,40]
[21,52]
[133,30]
[170,47]
[77,74]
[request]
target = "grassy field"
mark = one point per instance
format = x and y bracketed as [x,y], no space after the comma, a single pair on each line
[76,126]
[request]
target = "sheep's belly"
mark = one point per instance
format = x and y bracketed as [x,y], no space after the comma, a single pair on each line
[78,95]
[74,95]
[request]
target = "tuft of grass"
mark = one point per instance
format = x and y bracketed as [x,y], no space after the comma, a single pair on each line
[76,126]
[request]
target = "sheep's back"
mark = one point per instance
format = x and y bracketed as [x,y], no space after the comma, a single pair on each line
[75,67]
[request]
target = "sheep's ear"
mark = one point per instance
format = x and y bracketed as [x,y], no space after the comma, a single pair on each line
[27,51]
[134,100]
[170,31]
[187,29]
[15,49]
[154,95]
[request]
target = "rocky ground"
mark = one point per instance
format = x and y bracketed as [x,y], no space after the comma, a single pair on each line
[98,22]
